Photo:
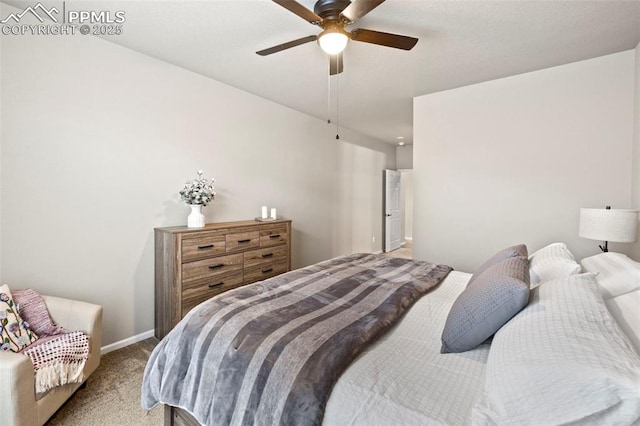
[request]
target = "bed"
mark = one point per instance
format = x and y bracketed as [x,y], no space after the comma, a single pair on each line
[561,358]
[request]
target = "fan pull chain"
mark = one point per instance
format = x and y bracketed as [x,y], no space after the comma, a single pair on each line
[329,97]
[338,99]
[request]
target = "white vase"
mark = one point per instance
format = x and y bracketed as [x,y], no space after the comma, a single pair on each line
[195,218]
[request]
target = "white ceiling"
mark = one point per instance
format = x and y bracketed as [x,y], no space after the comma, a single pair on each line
[461,42]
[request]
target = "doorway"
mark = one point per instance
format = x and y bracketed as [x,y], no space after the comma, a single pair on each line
[398,213]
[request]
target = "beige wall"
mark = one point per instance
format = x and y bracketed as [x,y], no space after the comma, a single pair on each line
[513,160]
[406,200]
[404,163]
[404,156]
[1,136]
[635,192]
[97,140]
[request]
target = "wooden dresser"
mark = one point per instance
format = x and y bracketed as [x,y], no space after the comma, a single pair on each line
[194,264]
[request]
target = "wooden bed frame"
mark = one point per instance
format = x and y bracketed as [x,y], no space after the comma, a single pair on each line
[174,416]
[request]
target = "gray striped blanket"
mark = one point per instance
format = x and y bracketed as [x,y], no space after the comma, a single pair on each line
[270,352]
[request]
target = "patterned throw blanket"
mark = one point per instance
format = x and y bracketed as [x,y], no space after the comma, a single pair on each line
[58,356]
[58,360]
[269,353]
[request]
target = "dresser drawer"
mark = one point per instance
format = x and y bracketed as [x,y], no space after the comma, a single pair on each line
[262,272]
[265,256]
[274,236]
[196,294]
[207,269]
[193,265]
[201,246]
[241,241]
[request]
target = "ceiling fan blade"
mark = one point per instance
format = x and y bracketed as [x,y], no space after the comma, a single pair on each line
[336,64]
[288,45]
[295,7]
[384,39]
[358,8]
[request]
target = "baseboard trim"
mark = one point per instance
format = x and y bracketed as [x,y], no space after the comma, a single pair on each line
[377,252]
[126,342]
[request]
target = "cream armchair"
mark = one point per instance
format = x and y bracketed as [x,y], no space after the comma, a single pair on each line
[18,404]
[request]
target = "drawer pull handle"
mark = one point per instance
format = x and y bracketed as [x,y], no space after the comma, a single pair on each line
[266,271]
[216,284]
[274,236]
[264,256]
[219,265]
[208,246]
[244,241]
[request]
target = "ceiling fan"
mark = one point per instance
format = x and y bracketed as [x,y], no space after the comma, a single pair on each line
[333,16]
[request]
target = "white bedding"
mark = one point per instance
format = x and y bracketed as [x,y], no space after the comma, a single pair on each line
[404,379]
[625,309]
[562,360]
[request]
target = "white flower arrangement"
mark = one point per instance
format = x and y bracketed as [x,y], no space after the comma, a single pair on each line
[198,191]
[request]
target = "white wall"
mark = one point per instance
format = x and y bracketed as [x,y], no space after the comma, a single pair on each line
[406,200]
[404,163]
[635,192]
[404,156]
[356,217]
[1,137]
[513,160]
[97,140]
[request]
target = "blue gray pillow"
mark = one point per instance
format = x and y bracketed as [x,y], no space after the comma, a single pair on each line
[513,251]
[494,297]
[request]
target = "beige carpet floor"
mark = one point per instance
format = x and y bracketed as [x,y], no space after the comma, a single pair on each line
[404,252]
[112,394]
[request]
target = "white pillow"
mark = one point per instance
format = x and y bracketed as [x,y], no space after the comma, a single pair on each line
[626,310]
[551,262]
[561,360]
[616,273]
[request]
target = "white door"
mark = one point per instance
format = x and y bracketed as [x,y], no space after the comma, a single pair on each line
[392,210]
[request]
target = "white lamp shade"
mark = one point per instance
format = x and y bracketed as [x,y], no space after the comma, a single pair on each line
[615,225]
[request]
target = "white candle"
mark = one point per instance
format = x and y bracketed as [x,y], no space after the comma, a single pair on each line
[273,214]
[264,212]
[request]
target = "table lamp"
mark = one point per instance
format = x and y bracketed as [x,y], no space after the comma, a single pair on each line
[616,225]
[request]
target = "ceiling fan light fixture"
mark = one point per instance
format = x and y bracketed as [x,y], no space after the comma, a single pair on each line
[333,40]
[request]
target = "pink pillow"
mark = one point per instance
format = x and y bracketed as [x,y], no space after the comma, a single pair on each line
[33,310]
